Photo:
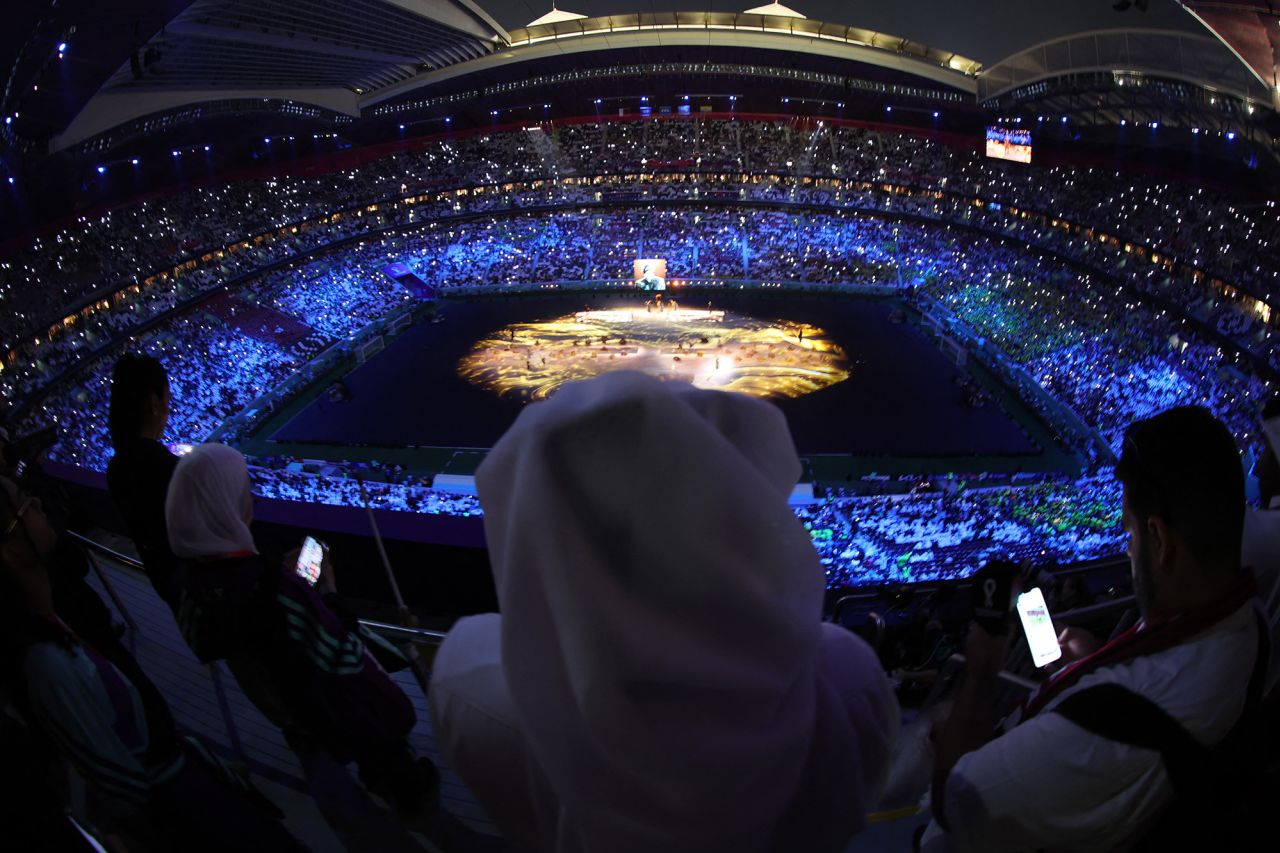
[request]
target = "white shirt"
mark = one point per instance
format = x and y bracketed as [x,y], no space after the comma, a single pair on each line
[1049,784]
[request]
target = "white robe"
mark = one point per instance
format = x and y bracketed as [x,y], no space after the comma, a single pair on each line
[659,678]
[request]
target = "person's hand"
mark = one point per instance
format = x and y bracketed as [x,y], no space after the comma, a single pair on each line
[327,584]
[985,653]
[1076,643]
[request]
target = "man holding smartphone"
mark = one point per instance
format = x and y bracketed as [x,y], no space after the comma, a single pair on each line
[1094,757]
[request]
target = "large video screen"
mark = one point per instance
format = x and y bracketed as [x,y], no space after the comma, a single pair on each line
[650,273]
[1007,144]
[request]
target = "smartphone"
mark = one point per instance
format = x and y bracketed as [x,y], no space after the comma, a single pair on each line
[181,449]
[309,559]
[1042,639]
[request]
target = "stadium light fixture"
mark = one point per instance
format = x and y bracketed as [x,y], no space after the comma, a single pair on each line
[134,161]
[206,148]
[102,170]
[175,152]
[1064,119]
[62,47]
[1231,134]
[888,109]
[935,113]
[11,181]
[402,127]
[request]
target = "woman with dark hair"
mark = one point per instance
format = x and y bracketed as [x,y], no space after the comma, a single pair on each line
[150,788]
[139,472]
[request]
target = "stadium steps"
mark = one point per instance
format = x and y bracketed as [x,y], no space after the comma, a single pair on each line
[207,702]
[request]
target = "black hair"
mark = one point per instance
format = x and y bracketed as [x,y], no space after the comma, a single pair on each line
[133,381]
[1183,466]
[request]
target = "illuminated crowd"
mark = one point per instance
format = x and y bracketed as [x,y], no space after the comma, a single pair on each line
[1110,347]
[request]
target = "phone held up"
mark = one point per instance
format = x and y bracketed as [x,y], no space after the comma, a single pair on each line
[310,558]
[997,593]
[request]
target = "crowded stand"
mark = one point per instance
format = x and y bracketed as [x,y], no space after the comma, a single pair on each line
[1043,316]
[941,535]
[127,244]
[1036,316]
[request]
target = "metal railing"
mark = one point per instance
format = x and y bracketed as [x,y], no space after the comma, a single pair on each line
[93,550]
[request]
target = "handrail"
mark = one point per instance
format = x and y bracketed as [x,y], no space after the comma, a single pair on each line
[421,636]
[94,545]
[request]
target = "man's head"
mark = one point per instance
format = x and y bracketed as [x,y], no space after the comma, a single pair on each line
[139,398]
[1183,508]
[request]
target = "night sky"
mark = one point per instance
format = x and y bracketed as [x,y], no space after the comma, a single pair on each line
[986,30]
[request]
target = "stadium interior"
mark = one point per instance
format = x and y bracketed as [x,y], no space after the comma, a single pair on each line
[958,253]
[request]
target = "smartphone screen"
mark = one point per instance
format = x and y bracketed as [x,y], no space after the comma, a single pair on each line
[309,559]
[1038,626]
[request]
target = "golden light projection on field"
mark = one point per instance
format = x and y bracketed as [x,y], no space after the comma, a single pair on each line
[710,349]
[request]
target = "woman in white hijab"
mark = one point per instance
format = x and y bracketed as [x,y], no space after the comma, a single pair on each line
[659,678]
[294,657]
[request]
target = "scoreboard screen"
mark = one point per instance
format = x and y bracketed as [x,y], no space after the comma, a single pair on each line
[1007,144]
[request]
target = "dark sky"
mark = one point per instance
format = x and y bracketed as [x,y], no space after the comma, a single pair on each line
[986,30]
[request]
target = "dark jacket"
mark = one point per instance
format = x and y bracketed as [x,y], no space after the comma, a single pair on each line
[138,479]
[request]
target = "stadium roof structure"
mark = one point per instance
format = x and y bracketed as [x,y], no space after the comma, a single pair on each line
[1196,59]
[1251,28]
[338,62]
[672,30]
[326,53]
